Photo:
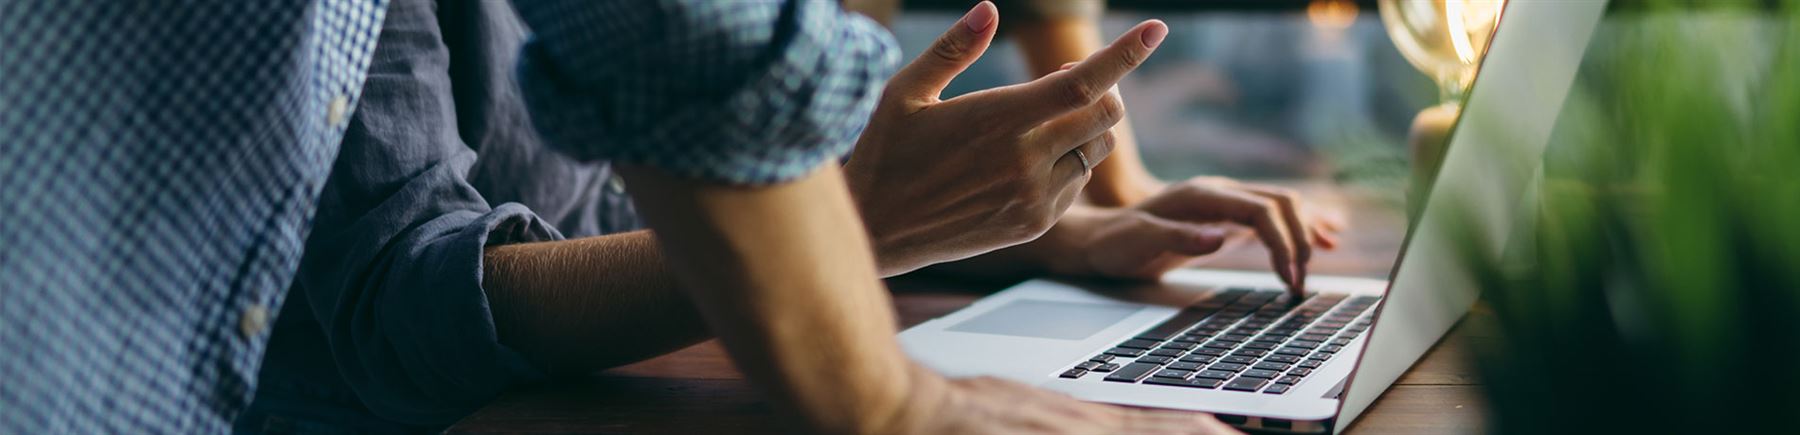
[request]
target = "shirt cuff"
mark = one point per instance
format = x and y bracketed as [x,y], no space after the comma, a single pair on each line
[441,346]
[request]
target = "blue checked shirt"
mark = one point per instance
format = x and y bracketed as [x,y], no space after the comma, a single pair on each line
[161,164]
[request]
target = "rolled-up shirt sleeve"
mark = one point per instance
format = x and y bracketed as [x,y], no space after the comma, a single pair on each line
[393,267]
[737,92]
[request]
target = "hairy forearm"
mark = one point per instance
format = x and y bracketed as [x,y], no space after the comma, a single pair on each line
[574,306]
[784,275]
[1049,43]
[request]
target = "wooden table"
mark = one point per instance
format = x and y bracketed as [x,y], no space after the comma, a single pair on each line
[697,390]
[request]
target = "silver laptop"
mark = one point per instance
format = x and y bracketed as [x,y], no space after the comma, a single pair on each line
[1233,343]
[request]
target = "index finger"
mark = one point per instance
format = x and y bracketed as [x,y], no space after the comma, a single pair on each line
[1083,84]
[1264,216]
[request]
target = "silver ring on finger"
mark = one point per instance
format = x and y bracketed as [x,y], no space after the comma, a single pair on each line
[1086,165]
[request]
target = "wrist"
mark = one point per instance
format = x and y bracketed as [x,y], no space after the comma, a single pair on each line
[1123,193]
[1061,250]
[923,393]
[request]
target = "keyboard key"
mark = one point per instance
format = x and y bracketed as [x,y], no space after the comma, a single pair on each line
[1251,352]
[1239,359]
[1300,372]
[1269,365]
[1230,367]
[1209,351]
[1331,349]
[1120,351]
[1175,374]
[1313,337]
[1102,358]
[1087,365]
[1286,359]
[1132,372]
[1167,352]
[1074,373]
[1288,380]
[1103,368]
[1234,338]
[1186,366]
[1195,337]
[1183,345]
[1264,374]
[1158,360]
[1270,338]
[1276,389]
[1340,341]
[1292,351]
[1190,383]
[1260,345]
[1214,374]
[1216,344]
[1312,363]
[1182,320]
[1246,384]
[1304,344]
[1139,343]
[1198,359]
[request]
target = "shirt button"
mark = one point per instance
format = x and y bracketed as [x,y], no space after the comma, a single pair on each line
[254,319]
[334,114]
[616,184]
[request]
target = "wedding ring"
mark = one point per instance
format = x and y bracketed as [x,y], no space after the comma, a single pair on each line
[1085,164]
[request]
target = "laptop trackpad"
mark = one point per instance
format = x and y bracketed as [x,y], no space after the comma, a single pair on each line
[1047,319]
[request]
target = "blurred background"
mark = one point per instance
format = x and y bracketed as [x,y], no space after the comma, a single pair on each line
[1260,90]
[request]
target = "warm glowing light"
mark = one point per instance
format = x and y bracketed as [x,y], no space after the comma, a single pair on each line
[1442,38]
[1331,14]
[1459,33]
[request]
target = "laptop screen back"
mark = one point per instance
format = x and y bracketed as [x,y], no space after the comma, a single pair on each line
[1482,189]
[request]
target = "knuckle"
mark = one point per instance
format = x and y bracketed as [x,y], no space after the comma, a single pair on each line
[1284,194]
[1131,59]
[950,48]
[1073,92]
[1105,144]
[1037,226]
[1112,109]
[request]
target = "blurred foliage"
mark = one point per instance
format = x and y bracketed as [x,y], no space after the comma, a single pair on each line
[1665,292]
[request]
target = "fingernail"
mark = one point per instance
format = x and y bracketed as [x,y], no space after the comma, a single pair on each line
[980,17]
[1155,34]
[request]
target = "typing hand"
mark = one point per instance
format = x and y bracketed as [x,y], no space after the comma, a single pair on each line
[941,180]
[1188,220]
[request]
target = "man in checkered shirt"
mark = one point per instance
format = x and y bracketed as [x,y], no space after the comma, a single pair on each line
[163,165]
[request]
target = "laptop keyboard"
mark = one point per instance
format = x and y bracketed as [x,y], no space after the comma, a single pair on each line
[1238,340]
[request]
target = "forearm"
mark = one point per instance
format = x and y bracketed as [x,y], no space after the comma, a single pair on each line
[574,306]
[1050,42]
[784,275]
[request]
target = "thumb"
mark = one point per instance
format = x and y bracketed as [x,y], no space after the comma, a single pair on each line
[926,77]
